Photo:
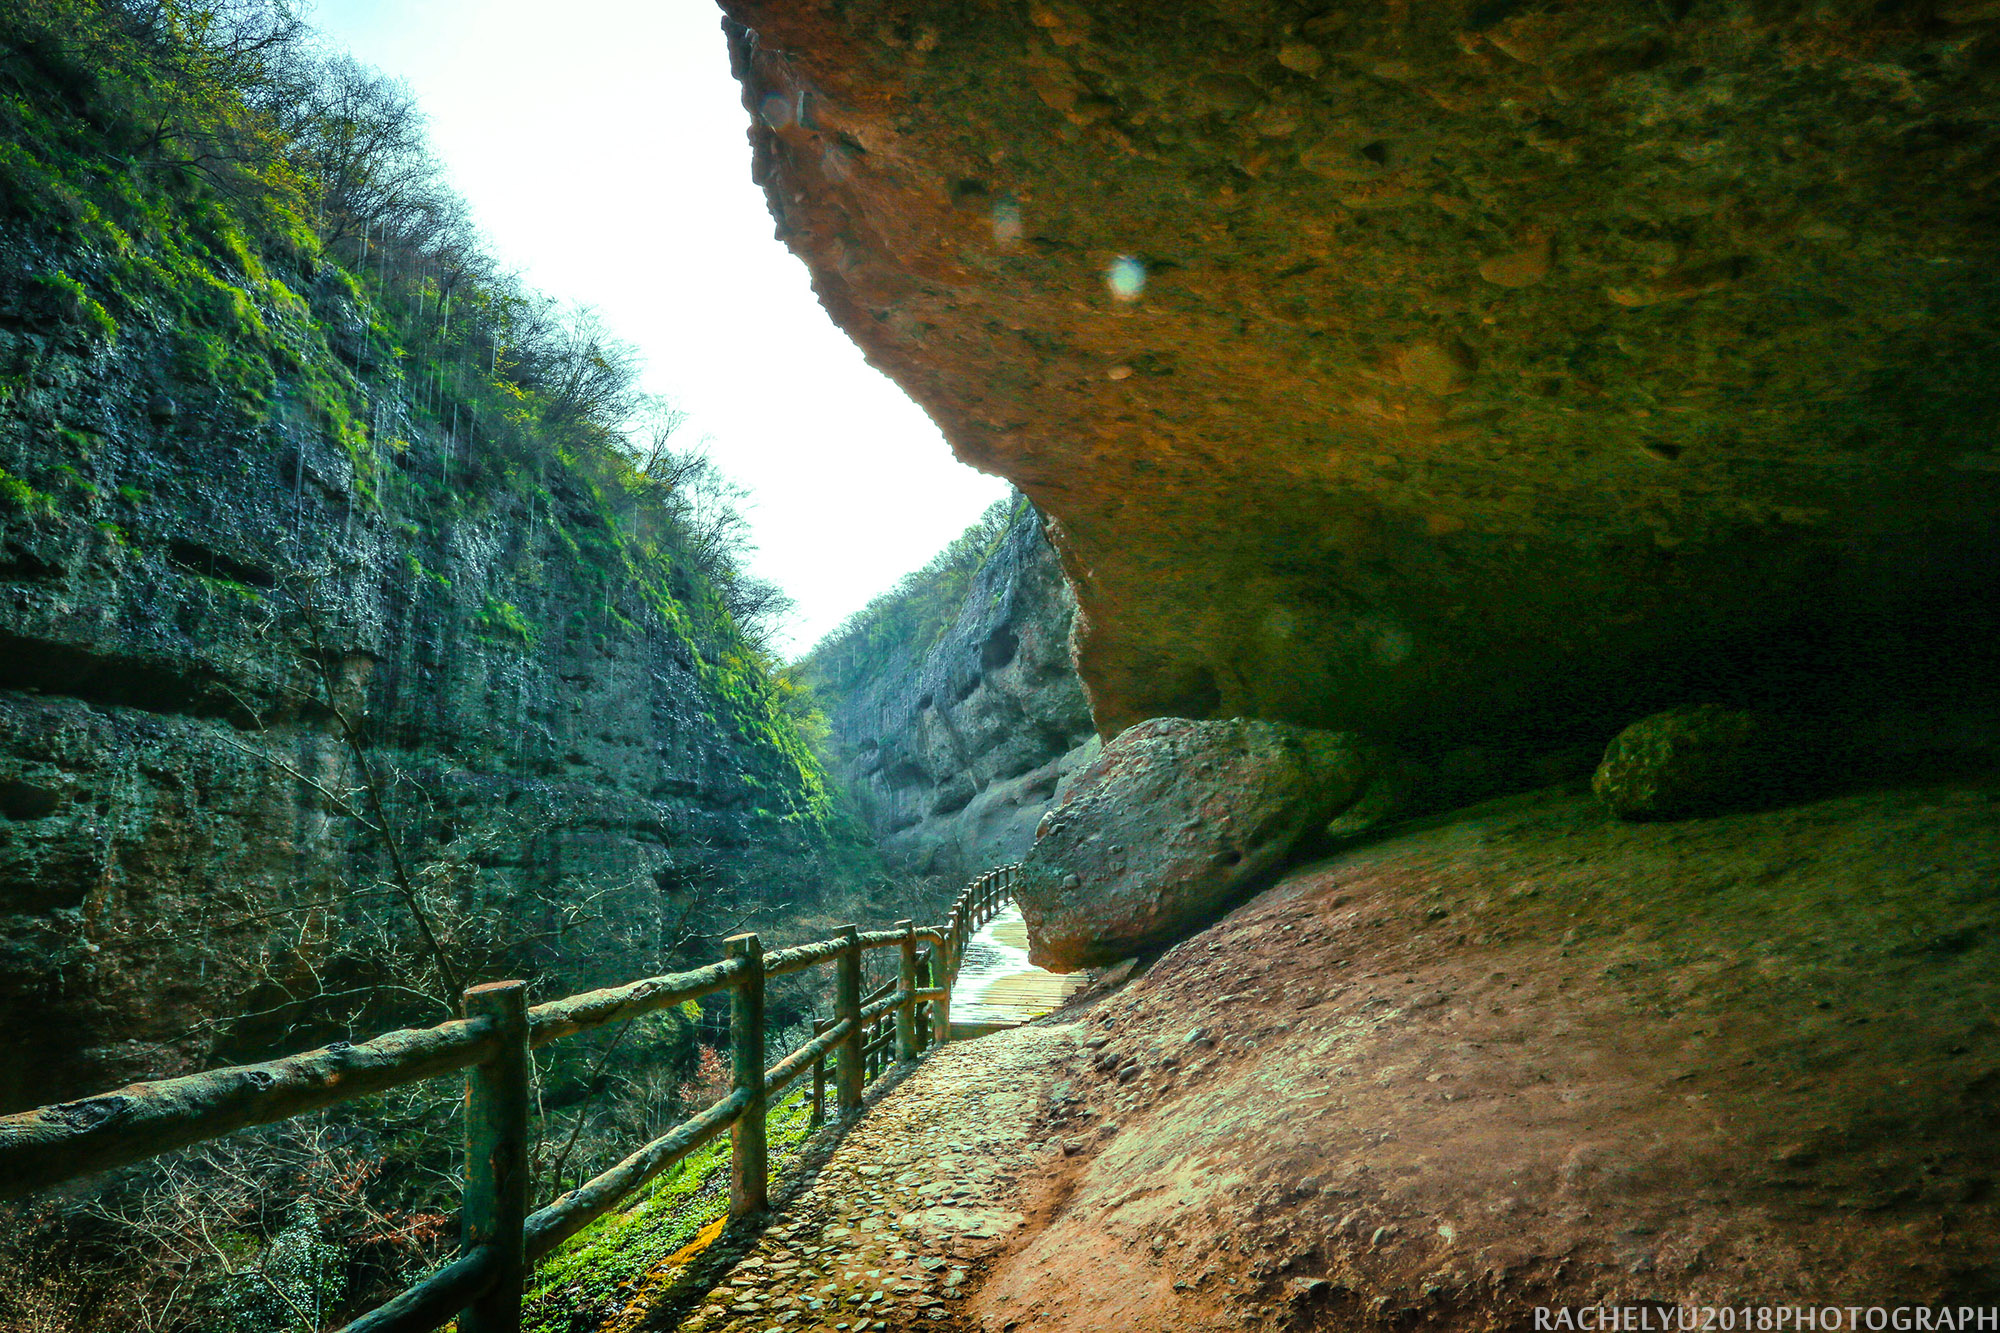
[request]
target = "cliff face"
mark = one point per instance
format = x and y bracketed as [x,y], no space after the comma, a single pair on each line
[214,533]
[952,749]
[1447,372]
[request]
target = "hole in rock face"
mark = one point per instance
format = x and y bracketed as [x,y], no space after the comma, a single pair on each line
[21,801]
[953,796]
[1377,152]
[198,559]
[22,566]
[999,649]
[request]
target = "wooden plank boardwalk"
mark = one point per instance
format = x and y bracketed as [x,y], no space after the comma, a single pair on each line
[997,985]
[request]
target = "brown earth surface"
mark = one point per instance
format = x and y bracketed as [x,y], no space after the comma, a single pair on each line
[1525,1055]
[1533,1056]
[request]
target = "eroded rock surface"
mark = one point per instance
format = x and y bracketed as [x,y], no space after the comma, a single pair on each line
[1496,371]
[952,750]
[1169,826]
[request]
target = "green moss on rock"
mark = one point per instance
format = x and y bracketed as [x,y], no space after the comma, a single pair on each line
[1698,760]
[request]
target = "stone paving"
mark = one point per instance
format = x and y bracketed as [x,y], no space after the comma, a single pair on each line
[892,1230]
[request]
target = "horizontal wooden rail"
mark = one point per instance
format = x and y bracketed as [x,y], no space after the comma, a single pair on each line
[482,1287]
[886,1005]
[437,1298]
[805,1057]
[49,1145]
[572,1212]
[563,1018]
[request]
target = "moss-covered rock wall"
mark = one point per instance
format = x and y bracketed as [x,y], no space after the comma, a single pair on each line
[235,507]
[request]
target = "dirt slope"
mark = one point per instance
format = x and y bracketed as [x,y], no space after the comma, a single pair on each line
[1530,1055]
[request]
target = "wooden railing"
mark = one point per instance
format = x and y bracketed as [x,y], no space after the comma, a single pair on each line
[499,1237]
[976,904]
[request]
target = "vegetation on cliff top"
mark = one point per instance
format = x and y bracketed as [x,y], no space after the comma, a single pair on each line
[914,614]
[269,221]
[215,178]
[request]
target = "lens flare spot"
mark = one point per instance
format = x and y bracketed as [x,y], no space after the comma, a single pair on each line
[776,110]
[1126,278]
[1006,221]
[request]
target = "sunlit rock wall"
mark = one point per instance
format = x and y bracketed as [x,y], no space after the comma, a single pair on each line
[952,750]
[575,756]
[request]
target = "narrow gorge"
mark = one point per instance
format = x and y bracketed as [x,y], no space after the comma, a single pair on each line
[956,720]
[1488,671]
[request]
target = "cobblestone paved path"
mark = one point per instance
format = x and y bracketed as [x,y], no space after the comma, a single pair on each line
[890,1231]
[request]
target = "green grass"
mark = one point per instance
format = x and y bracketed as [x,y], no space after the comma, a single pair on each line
[22,498]
[502,622]
[603,1265]
[77,304]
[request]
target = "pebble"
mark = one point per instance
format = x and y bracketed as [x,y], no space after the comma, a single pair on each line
[1301,58]
[1520,268]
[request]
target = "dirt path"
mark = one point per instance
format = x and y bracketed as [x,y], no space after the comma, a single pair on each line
[890,1232]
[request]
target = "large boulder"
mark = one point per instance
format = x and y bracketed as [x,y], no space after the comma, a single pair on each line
[1174,821]
[1702,759]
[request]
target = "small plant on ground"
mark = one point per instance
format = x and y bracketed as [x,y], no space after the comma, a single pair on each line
[596,1275]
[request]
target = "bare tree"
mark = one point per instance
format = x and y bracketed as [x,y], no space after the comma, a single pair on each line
[585,372]
[360,138]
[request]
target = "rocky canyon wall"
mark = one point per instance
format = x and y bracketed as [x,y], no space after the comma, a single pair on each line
[215,530]
[952,747]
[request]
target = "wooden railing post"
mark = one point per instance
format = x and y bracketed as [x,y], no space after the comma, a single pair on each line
[820,1025]
[497,1095]
[906,980]
[941,976]
[847,1004]
[749,1167]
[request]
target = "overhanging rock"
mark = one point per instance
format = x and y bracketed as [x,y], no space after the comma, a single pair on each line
[1459,371]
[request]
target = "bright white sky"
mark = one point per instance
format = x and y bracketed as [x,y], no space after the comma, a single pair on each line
[601,144]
